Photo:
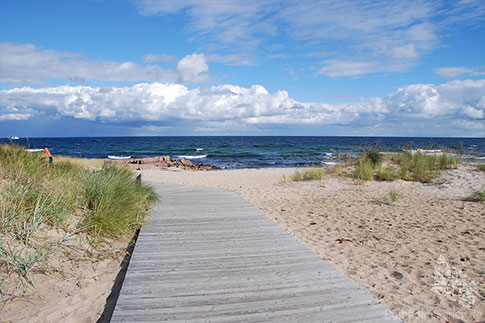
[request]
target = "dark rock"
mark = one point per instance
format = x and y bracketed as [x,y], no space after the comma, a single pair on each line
[397,275]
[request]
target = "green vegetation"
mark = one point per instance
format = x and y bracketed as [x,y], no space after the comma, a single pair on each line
[421,167]
[308,174]
[87,164]
[374,156]
[403,165]
[388,200]
[115,204]
[477,196]
[481,167]
[368,163]
[386,174]
[364,170]
[38,200]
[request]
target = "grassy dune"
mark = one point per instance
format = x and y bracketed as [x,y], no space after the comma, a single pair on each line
[43,206]
[376,165]
[403,165]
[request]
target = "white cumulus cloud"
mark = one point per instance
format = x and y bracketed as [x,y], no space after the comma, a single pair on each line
[231,104]
[456,98]
[193,69]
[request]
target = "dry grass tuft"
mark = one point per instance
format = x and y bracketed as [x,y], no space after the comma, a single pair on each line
[310,174]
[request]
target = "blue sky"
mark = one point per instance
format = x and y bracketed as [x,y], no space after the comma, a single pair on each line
[101,68]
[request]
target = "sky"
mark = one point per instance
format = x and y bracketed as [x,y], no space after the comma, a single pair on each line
[205,68]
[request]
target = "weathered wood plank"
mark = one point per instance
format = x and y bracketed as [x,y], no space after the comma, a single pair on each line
[206,255]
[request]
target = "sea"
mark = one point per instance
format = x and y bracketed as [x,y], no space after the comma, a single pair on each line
[233,152]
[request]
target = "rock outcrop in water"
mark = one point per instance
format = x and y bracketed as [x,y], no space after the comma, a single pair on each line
[159,162]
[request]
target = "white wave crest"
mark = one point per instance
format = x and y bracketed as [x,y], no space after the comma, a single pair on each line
[34,150]
[425,151]
[192,157]
[119,157]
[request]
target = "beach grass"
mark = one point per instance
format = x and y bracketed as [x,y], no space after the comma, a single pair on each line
[364,169]
[113,202]
[71,196]
[374,156]
[404,165]
[386,174]
[392,197]
[309,174]
[85,163]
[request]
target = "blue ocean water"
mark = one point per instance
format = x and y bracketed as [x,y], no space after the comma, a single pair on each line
[244,152]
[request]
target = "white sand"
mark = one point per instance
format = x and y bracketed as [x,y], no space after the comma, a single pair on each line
[423,256]
[74,289]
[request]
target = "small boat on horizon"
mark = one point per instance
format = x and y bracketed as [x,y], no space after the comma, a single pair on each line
[14,138]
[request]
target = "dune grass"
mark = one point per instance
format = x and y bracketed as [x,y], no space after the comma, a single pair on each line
[364,170]
[392,197]
[308,174]
[421,167]
[32,188]
[85,163]
[386,174]
[70,195]
[367,164]
[114,203]
[404,165]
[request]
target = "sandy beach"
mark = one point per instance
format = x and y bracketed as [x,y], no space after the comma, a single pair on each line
[73,288]
[423,255]
[357,127]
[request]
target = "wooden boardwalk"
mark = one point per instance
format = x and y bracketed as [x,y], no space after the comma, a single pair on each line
[206,255]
